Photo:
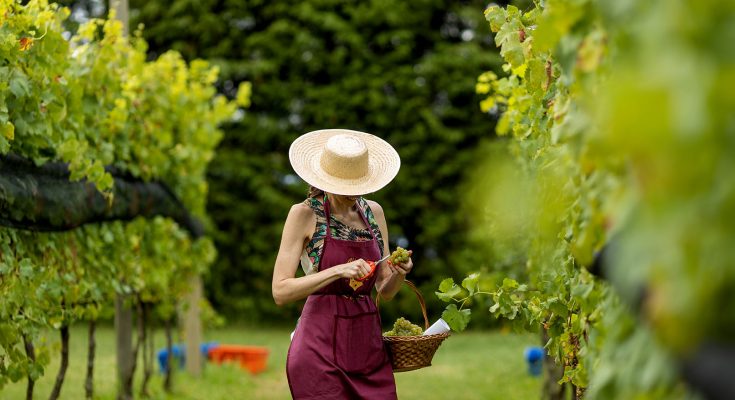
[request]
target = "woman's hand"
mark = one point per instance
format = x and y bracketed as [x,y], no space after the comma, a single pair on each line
[403,268]
[353,269]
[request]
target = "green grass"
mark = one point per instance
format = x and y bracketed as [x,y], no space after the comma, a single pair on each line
[471,365]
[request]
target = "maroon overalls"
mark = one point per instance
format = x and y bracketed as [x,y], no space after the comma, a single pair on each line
[337,350]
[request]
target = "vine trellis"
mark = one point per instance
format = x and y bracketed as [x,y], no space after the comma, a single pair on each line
[612,187]
[89,131]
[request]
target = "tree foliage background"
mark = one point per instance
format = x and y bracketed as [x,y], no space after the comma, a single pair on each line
[404,71]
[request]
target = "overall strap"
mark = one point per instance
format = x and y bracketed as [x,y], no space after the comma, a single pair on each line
[325,203]
[365,220]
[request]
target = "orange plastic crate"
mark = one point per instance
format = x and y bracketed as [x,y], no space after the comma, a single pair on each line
[251,358]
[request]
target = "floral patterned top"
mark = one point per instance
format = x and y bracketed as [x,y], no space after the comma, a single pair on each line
[311,254]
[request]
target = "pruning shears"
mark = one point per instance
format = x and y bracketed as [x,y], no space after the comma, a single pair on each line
[356,283]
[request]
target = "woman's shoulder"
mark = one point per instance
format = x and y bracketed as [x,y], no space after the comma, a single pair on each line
[301,217]
[301,211]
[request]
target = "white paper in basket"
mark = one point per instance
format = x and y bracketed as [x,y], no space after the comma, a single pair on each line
[439,327]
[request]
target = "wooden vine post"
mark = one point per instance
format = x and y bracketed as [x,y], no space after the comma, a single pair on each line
[123,311]
[193,326]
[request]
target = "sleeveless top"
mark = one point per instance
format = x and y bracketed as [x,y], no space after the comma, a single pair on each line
[313,250]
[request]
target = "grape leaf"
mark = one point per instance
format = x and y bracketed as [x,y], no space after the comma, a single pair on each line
[509,284]
[446,284]
[456,319]
[447,290]
[471,283]
[18,84]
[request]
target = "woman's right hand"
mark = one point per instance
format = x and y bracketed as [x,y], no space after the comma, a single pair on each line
[354,269]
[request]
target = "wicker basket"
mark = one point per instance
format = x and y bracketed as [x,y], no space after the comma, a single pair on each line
[412,352]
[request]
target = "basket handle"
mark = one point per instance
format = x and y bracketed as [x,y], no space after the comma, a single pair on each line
[421,301]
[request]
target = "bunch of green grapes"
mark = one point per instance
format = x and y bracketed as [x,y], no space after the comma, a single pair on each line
[404,327]
[399,256]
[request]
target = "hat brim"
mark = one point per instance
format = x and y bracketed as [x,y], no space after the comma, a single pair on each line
[305,155]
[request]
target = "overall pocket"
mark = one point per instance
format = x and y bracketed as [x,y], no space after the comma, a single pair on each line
[358,343]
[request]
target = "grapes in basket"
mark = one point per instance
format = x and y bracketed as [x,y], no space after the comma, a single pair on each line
[404,327]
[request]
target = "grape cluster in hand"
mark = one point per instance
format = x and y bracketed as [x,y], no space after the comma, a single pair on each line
[404,327]
[399,256]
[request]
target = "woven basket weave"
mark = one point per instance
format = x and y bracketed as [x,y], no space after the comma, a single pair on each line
[412,352]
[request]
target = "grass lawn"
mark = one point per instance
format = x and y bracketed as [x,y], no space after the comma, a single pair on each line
[471,365]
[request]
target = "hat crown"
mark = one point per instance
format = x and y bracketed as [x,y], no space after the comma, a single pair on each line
[345,156]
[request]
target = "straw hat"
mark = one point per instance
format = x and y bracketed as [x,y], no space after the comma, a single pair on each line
[345,162]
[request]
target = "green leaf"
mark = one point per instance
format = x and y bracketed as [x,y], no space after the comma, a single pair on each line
[555,22]
[35,372]
[448,290]
[244,92]
[26,268]
[471,283]
[495,15]
[510,44]
[7,334]
[8,131]
[18,84]
[4,145]
[15,372]
[509,284]
[536,74]
[582,290]
[557,307]
[446,285]
[456,319]
[106,182]
[449,295]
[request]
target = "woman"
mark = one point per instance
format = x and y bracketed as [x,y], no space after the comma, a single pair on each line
[337,350]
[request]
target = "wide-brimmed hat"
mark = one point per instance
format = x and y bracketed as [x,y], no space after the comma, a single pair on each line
[342,161]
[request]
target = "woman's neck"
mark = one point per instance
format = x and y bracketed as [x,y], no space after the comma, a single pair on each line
[342,205]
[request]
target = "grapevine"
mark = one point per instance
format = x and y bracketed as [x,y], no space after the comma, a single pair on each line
[94,101]
[598,152]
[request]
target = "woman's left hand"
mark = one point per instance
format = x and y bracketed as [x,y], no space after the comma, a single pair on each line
[403,268]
